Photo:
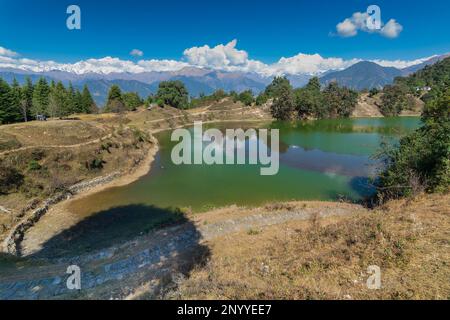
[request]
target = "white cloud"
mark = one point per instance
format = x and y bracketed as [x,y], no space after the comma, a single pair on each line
[310,64]
[221,57]
[162,65]
[7,53]
[391,29]
[228,57]
[349,27]
[400,64]
[136,53]
[346,28]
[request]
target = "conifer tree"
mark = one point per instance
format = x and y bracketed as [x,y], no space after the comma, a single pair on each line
[26,101]
[40,98]
[115,100]
[5,102]
[57,101]
[16,96]
[70,99]
[88,103]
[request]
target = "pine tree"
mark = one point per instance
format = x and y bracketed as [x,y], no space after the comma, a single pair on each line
[40,97]
[5,102]
[16,97]
[70,99]
[57,101]
[88,103]
[115,101]
[26,101]
[79,108]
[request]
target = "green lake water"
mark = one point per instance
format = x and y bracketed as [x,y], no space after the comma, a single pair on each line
[319,160]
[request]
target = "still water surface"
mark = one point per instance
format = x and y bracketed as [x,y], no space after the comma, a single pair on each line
[319,160]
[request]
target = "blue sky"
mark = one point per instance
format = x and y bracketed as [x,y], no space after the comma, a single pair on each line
[266,30]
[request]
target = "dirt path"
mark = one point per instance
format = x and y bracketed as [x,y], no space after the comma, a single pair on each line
[150,261]
[58,145]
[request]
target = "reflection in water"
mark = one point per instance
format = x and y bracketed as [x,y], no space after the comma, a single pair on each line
[319,160]
[327,162]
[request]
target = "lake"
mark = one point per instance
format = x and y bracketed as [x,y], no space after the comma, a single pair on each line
[319,160]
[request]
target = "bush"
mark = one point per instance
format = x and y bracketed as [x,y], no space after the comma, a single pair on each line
[34,166]
[10,179]
[422,159]
[283,107]
[246,97]
[172,93]
[95,164]
[261,99]
[395,99]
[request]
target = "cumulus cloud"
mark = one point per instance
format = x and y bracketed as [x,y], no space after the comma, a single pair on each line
[346,28]
[136,53]
[221,57]
[391,29]
[162,65]
[7,53]
[349,27]
[310,64]
[228,57]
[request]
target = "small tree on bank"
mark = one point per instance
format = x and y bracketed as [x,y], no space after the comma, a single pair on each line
[283,106]
[172,93]
[115,101]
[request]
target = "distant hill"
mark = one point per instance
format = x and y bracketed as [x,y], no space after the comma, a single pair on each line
[436,76]
[363,75]
[368,75]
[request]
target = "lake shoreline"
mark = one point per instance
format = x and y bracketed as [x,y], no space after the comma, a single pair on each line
[60,206]
[60,218]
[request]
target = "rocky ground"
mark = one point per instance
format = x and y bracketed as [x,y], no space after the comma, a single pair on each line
[149,264]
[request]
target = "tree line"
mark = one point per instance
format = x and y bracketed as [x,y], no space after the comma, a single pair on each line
[23,103]
[310,101]
[421,161]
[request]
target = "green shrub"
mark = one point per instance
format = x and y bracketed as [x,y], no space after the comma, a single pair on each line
[95,164]
[33,165]
[421,160]
[10,179]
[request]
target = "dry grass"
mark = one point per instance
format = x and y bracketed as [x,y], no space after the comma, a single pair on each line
[54,155]
[328,259]
[52,132]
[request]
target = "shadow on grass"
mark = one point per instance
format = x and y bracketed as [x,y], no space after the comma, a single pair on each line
[109,227]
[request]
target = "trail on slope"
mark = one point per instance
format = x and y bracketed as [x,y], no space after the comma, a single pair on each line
[57,146]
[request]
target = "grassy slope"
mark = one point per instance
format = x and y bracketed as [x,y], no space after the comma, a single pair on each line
[62,148]
[54,155]
[328,258]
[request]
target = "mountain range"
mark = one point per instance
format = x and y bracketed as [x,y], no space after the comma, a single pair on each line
[362,75]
